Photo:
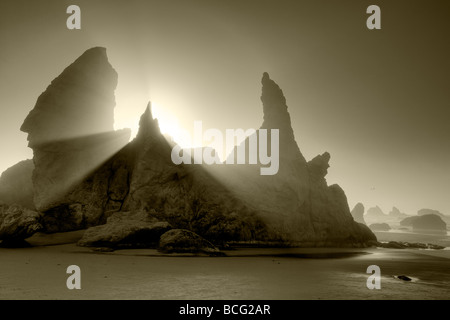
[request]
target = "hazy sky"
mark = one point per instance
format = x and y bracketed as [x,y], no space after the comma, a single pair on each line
[377,100]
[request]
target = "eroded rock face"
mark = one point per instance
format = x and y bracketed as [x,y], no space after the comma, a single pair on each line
[70,129]
[358,213]
[16,186]
[18,223]
[186,196]
[396,213]
[296,203]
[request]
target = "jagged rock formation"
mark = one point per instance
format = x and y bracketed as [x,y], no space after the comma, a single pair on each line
[358,213]
[17,223]
[16,186]
[71,133]
[70,129]
[375,215]
[76,189]
[186,196]
[296,203]
[396,213]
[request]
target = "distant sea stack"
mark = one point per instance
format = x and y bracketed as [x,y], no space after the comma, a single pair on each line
[422,212]
[426,223]
[358,213]
[396,213]
[375,215]
[86,175]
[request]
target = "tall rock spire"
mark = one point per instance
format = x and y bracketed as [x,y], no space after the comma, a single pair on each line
[276,116]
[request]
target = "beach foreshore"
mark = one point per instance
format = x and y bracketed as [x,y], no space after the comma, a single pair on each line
[40,272]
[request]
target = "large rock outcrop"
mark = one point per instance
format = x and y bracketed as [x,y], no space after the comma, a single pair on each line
[70,130]
[296,203]
[186,196]
[84,174]
[126,230]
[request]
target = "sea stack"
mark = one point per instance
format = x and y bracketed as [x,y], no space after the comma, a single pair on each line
[296,203]
[71,127]
[358,213]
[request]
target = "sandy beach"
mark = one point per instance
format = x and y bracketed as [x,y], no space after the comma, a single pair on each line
[39,272]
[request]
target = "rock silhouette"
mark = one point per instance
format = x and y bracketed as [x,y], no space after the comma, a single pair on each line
[296,204]
[85,173]
[426,223]
[70,129]
[396,213]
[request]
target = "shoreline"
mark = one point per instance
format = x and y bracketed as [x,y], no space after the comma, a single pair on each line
[247,273]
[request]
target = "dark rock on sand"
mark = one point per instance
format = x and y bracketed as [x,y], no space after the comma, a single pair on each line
[185,241]
[18,223]
[126,230]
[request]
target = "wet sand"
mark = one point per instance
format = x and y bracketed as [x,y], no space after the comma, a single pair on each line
[281,274]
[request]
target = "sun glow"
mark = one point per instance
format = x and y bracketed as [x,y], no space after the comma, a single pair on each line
[169,125]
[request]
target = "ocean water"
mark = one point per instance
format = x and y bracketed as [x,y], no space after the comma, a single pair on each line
[408,236]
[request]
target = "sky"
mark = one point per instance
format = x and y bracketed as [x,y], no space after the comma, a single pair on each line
[377,100]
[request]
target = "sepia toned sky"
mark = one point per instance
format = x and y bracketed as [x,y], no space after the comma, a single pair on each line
[377,100]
